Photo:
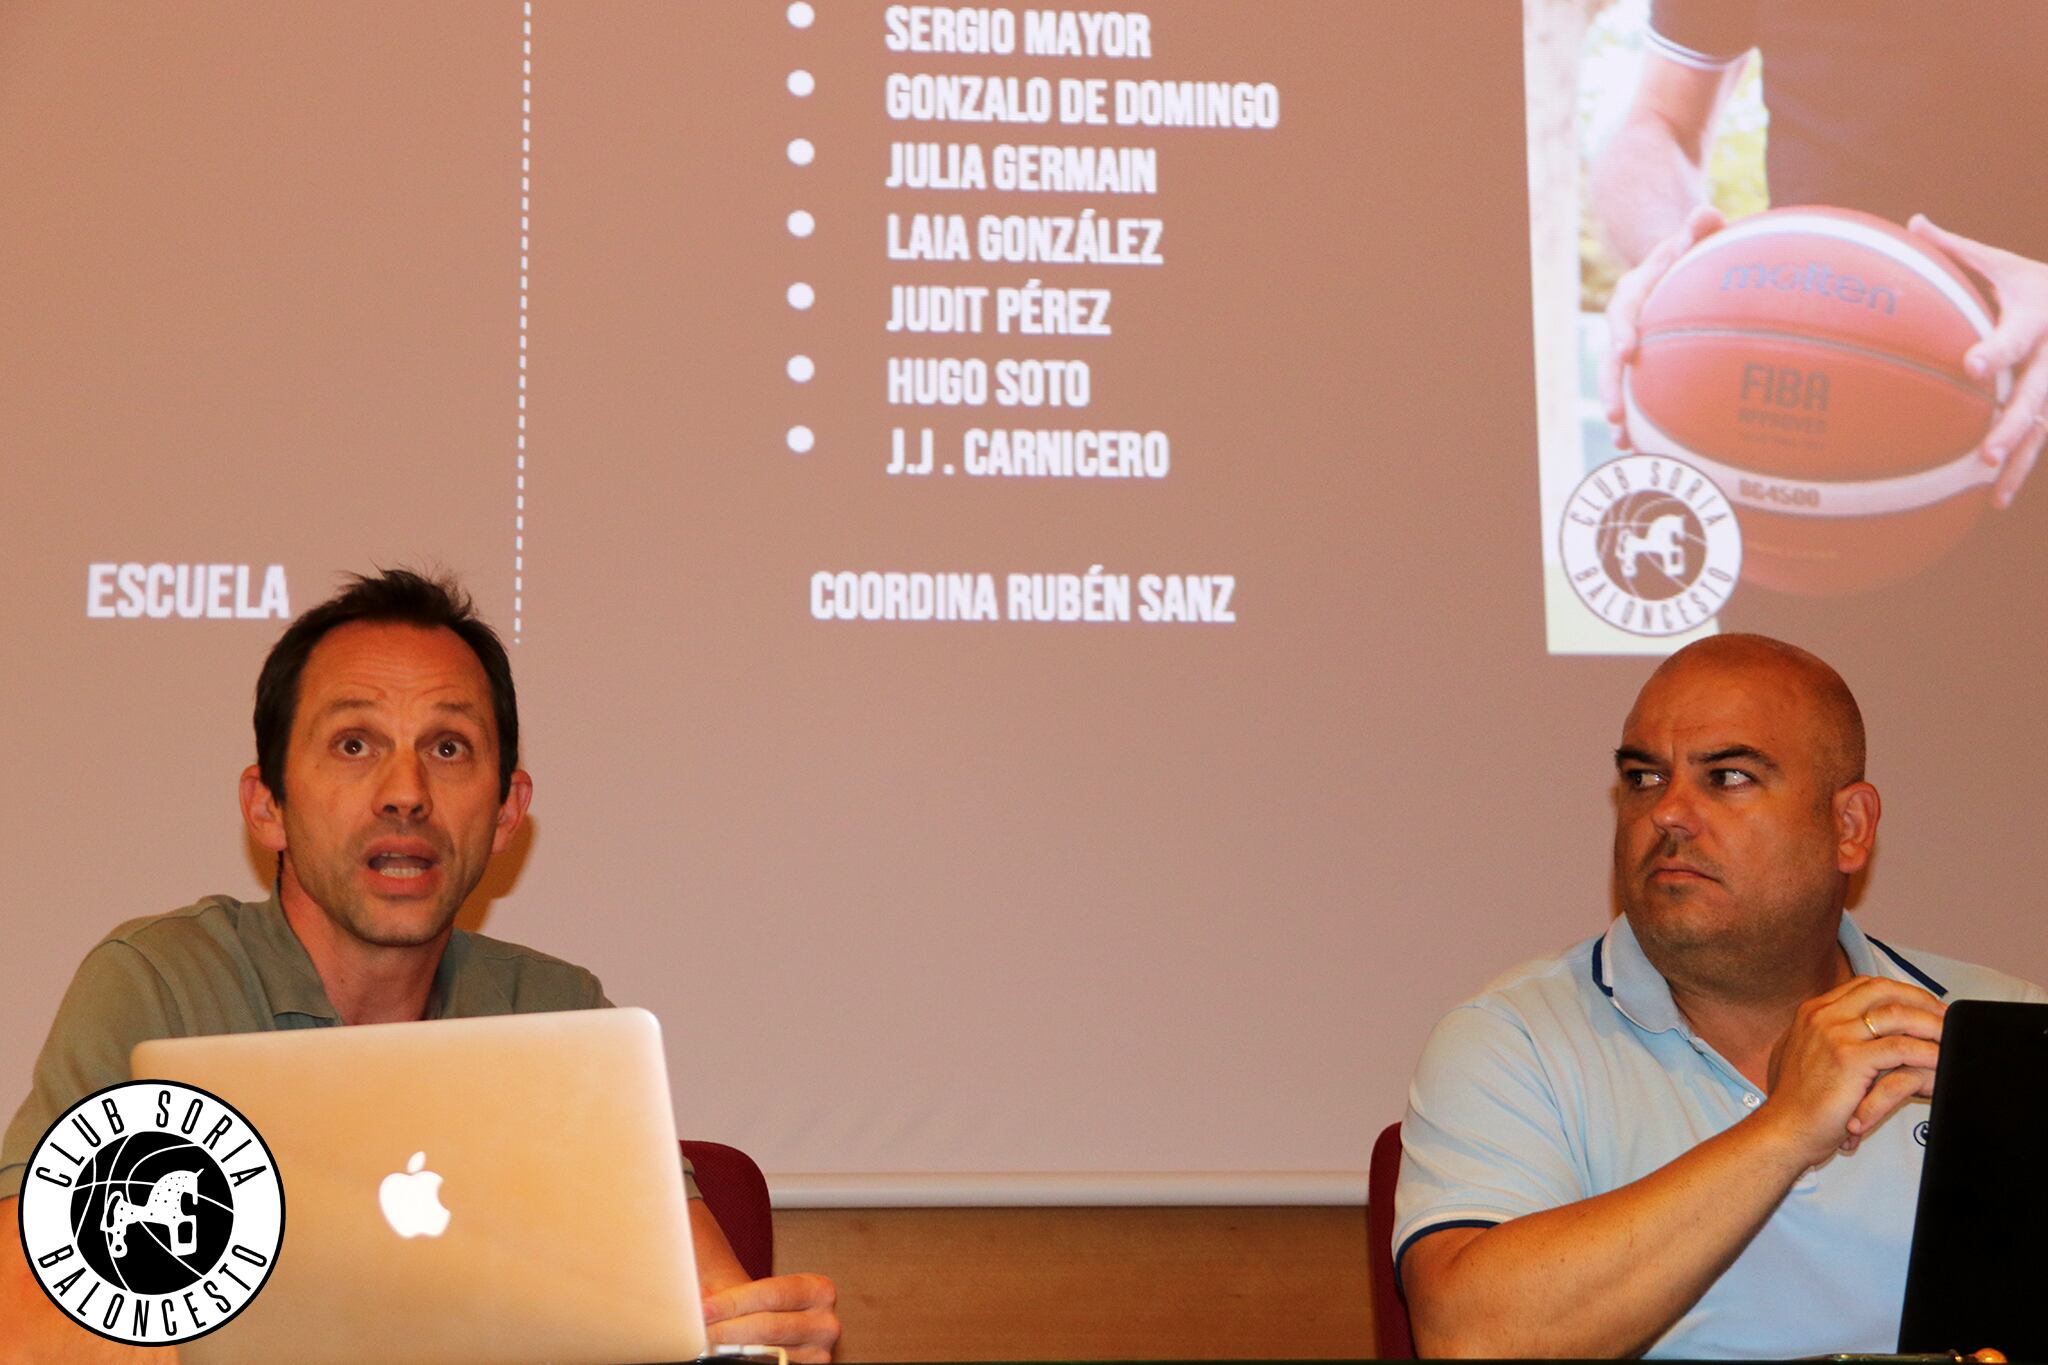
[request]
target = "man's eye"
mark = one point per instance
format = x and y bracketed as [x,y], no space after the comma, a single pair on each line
[351,746]
[1732,777]
[1638,779]
[450,748]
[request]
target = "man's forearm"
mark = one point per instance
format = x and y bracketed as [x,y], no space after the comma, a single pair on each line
[1606,1276]
[1643,186]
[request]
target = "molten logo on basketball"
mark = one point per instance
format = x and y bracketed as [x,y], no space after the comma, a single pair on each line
[1813,278]
[1810,361]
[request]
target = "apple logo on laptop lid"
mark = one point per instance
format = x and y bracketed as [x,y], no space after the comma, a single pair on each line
[411,1200]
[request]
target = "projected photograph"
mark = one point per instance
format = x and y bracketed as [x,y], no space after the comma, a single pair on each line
[1787,326]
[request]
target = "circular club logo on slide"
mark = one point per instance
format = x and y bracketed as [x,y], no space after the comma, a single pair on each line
[151,1212]
[1650,545]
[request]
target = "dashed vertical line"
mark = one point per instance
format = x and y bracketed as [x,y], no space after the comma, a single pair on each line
[525,244]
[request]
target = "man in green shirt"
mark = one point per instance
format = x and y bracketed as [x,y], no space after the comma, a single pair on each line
[387,774]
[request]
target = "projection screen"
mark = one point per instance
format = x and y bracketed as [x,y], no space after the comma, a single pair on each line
[1025,536]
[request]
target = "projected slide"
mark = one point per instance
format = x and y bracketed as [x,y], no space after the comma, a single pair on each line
[1023,194]
[951,476]
[1799,395]
[1015,522]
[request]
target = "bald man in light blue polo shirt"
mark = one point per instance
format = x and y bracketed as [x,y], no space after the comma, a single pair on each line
[1698,1133]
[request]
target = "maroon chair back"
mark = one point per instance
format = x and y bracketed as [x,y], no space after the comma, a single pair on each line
[737,1195]
[1389,1310]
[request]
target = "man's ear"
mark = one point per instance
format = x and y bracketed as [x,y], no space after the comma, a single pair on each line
[263,812]
[1856,811]
[512,810]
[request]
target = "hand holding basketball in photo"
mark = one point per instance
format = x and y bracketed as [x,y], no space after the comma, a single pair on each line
[1811,361]
[1625,306]
[2018,343]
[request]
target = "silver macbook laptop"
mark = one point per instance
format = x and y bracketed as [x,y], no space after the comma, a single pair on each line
[505,1189]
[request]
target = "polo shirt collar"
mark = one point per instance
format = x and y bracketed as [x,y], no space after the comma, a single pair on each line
[290,983]
[1624,974]
[298,998]
[459,994]
[1885,960]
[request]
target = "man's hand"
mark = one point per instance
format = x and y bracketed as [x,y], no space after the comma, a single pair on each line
[793,1311]
[1625,308]
[2019,342]
[1852,1056]
[1610,1274]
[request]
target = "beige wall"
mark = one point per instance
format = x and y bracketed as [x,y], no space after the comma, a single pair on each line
[1089,1284]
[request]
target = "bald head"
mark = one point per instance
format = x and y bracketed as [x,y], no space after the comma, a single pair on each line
[1760,662]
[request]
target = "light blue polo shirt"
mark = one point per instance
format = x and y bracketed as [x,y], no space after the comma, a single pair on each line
[1571,1076]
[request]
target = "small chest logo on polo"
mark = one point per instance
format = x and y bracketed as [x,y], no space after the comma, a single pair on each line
[151,1212]
[1650,545]
[1920,1131]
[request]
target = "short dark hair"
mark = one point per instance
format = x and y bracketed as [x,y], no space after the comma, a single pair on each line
[396,595]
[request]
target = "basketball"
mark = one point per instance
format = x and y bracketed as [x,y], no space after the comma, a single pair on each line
[1810,362]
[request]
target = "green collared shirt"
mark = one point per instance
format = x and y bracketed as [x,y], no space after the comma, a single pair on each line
[226,966]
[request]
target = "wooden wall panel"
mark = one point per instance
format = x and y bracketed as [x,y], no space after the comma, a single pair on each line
[1089,1283]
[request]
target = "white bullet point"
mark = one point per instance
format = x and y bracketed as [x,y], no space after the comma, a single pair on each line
[801,224]
[801,152]
[801,15]
[801,369]
[801,296]
[801,83]
[801,440]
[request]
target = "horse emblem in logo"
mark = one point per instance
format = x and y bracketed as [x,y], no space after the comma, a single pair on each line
[151,1212]
[1650,545]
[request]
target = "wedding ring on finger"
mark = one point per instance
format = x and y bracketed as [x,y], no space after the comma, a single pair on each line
[1872,1027]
